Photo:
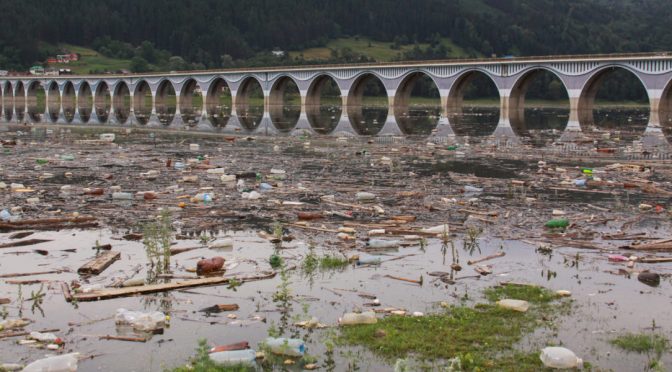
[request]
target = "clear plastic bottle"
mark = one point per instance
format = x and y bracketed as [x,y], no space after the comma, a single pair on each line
[44,337]
[560,358]
[140,321]
[382,244]
[60,363]
[354,318]
[293,347]
[122,196]
[246,357]
[517,305]
[13,323]
[369,260]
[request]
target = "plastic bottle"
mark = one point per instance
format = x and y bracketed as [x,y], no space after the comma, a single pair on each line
[440,229]
[13,323]
[140,321]
[60,363]
[557,223]
[382,244]
[472,189]
[365,196]
[10,367]
[354,318]
[5,215]
[246,357]
[122,196]
[293,347]
[560,358]
[216,171]
[44,337]
[178,165]
[516,305]
[221,243]
[369,260]
[265,187]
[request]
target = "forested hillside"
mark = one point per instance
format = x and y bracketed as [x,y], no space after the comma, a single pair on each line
[224,33]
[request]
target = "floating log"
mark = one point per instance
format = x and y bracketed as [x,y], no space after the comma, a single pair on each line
[14,275]
[23,243]
[659,245]
[496,255]
[220,308]
[655,259]
[156,288]
[99,264]
[50,223]
[122,338]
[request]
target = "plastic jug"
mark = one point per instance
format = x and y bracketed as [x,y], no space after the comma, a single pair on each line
[246,357]
[60,363]
[560,358]
[293,347]
[516,305]
[354,318]
[141,321]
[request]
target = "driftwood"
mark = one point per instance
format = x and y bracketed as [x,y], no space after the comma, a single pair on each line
[23,243]
[175,251]
[660,245]
[14,275]
[100,263]
[655,259]
[25,333]
[496,255]
[122,338]
[50,223]
[419,282]
[220,308]
[156,288]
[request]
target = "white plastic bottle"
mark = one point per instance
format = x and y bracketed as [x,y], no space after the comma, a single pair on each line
[560,358]
[60,363]
[293,347]
[354,318]
[245,357]
[382,244]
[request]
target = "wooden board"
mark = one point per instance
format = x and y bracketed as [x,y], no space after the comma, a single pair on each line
[155,288]
[100,263]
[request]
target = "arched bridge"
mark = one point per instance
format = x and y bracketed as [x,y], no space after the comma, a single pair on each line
[140,99]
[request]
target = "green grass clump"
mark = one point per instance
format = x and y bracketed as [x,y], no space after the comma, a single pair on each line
[332,262]
[482,337]
[641,343]
[529,293]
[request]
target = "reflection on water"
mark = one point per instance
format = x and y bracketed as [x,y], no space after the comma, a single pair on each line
[474,121]
[538,127]
[367,120]
[284,118]
[617,124]
[419,121]
[324,119]
[219,115]
[250,116]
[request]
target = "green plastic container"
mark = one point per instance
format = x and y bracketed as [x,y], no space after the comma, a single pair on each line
[557,223]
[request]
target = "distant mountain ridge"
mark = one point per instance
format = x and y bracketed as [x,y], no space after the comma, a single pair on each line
[212,33]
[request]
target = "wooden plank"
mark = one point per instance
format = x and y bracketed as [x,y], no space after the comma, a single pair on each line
[23,243]
[100,263]
[156,288]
